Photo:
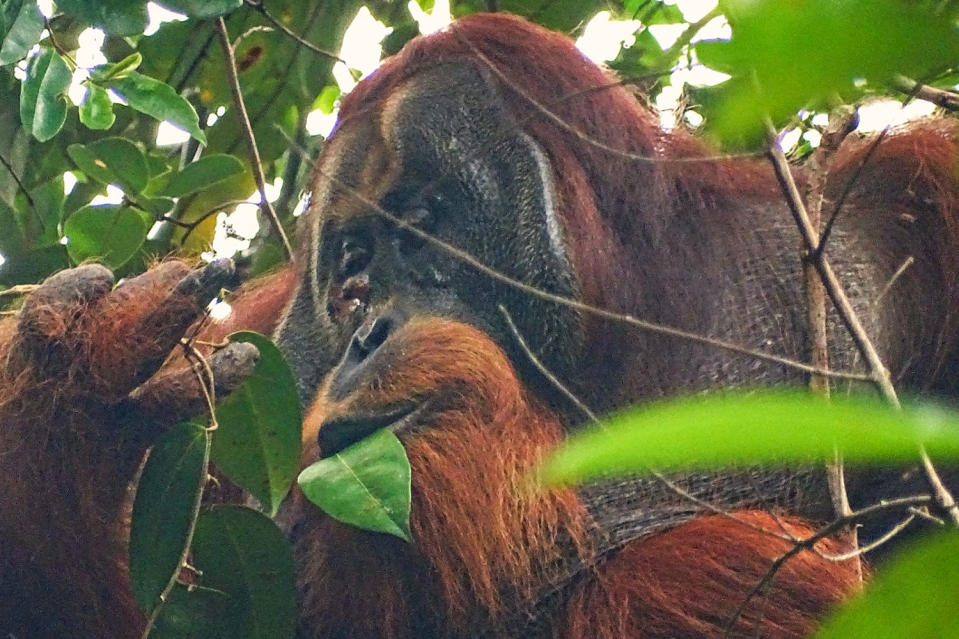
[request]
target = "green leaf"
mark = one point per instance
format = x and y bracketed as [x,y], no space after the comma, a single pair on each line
[243,554]
[162,510]
[208,170]
[867,39]
[112,161]
[201,8]
[23,33]
[110,234]
[366,485]
[121,69]
[34,265]
[96,112]
[159,100]
[43,105]
[258,442]
[156,205]
[326,101]
[119,17]
[196,613]
[913,596]
[744,430]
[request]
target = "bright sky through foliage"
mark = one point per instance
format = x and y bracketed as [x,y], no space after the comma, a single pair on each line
[601,40]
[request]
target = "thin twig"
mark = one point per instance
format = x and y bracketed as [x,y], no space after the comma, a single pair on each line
[19,289]
[204,375]
[878,371]
[847,189]
[862,550]
[582,135]
[247,129]
[192,226]
[260,7]
[940,97]
[592,417]
[842,122]
[622,318]
[909,261]
[809,543]
[685,38]
[22,189]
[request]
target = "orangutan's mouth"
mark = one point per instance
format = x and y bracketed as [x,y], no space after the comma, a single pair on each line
[338,433]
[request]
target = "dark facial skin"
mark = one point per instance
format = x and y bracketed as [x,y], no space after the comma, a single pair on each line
[442,155]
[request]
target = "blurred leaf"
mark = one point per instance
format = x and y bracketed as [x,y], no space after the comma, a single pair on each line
[112,161]
[110,234]
[192,614]
[211,199]
[158,100]
[119,17]
[826,46]
[659,13]
[96,111]
[43,105]
[326,101]
[163,509]
[201,8]
[730,430]
[21,25]
[641,58]
[156,205]
[199,175]
[243,554]
[258,442]
[121,69]
[33,265]
[914,596]
[366,485]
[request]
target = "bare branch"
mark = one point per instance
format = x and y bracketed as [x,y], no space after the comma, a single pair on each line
[247,129]
[260,7]
[940,97]
[909,261]
[878,370]
[20,289]
[809,544]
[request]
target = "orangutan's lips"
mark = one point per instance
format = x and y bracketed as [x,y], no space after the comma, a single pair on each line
[338,433]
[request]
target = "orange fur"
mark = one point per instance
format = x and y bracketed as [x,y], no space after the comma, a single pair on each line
[485,539]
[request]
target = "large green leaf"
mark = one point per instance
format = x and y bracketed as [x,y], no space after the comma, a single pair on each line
[258,442]
[119,17]
[110,234]
[791,55]
[163,509]
[913,596]
[112,161]
[198,175]
[366,485]
[243,554]
[159,100]
[202,8]
[743,430]
[43,106]
[22,30]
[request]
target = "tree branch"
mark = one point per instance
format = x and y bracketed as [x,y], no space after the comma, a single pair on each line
[940,97]
[878,371]
[247,130]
